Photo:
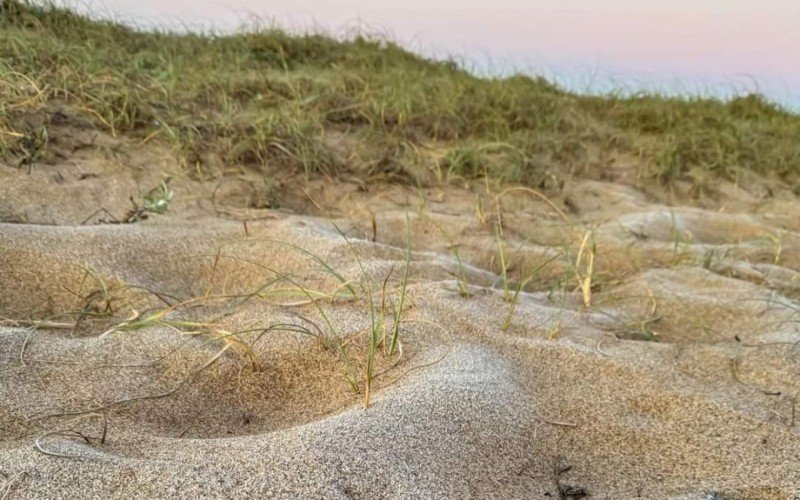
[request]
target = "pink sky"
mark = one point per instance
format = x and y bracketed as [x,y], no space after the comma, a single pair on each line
[700,45]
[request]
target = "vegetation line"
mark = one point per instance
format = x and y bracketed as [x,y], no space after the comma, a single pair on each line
[364,108]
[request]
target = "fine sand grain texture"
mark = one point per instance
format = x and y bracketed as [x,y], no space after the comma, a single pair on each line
[598,342]
[264,265]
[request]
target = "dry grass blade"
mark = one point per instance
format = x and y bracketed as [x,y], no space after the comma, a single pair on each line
[40,324]
[584,267]
[498,233]
[102,408]
[537,194]
[461,277]
[735,369]
[12,481]
[521,286]
[39,441]
[313,298]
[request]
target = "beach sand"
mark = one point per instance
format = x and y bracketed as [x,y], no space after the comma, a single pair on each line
[680,379]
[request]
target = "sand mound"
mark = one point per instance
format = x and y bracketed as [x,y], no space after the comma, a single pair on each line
[679,380]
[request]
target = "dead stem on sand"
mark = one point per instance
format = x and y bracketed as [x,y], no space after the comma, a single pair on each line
[71,432]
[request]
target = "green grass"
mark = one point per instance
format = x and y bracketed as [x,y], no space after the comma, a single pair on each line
[462,280]
[270,101]
[399,305]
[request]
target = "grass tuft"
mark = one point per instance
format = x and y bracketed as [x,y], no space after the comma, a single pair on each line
[270,101]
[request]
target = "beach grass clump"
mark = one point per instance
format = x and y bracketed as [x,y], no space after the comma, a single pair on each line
[362,106]
[385,308]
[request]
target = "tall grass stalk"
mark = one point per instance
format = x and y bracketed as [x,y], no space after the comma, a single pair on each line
[521,286]
[399,307]
[498,235]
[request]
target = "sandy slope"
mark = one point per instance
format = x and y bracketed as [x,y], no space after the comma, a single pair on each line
[645,394]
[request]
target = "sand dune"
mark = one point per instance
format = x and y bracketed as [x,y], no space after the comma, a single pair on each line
[678,381]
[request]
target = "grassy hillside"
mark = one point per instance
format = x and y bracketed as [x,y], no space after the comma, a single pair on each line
[363,107]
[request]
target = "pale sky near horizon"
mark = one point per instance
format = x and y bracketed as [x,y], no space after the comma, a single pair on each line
[706,46]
